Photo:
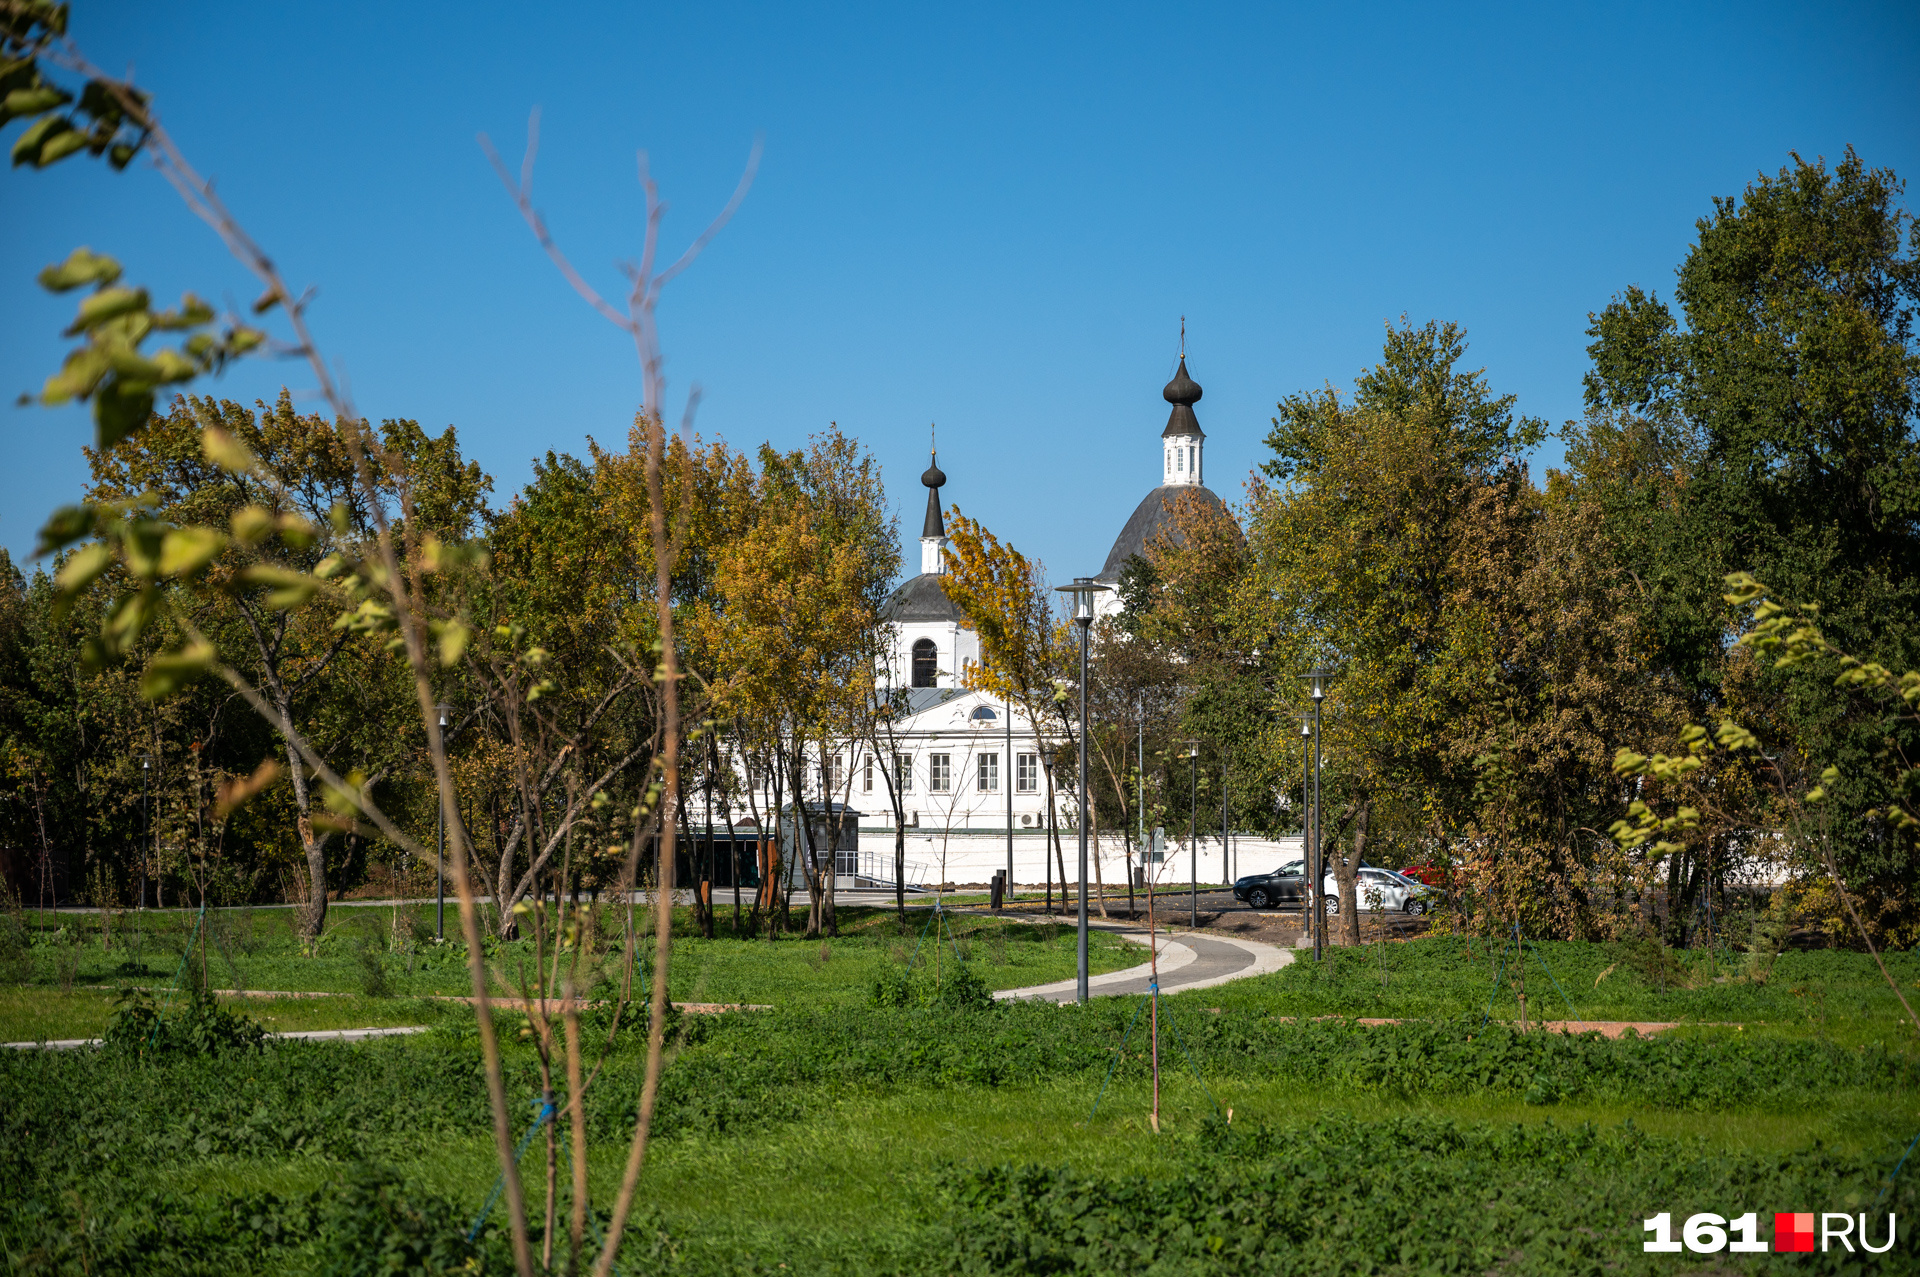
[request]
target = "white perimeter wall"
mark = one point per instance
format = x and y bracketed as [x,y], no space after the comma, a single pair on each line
[974,857]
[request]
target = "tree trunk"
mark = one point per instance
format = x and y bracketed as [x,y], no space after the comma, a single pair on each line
[1092,817]
[1053,831]
[804,847]
[1362,818]
[313,918]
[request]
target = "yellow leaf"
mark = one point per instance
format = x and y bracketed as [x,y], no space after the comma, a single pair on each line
[251,523]
[185,551]
[223,450]
[87,563]
[454,637]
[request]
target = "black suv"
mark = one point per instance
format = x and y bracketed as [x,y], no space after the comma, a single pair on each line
[1263,891]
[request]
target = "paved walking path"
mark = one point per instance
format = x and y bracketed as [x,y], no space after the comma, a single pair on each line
[1187,961]
[311,1035]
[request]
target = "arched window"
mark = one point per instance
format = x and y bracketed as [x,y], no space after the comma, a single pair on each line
[926,663]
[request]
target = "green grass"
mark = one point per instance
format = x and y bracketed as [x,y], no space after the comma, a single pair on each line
[1440,977]
[39,1015]
[836,1137]
[257,950]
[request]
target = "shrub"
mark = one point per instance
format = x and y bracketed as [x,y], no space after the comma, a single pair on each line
[200,1027]
[957,988]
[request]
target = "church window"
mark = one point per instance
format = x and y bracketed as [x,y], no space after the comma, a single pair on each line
[940,772]
[903,773]
[987,774]
[866,775]
[1179,462]
[926,663]
[831,774]
[1026,775]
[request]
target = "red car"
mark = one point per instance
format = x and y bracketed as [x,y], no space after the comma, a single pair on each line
[1432,875]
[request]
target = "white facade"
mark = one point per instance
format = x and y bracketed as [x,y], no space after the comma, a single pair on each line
[969,767]
[1180,460]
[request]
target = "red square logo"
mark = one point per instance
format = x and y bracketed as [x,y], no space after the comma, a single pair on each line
[1793,1231]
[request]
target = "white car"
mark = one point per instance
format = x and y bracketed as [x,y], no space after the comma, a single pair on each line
[1383,889]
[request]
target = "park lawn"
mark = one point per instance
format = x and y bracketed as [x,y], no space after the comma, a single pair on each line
[1444,977]
[836,1137]
[813,1191]
[257,951]
[40,1015]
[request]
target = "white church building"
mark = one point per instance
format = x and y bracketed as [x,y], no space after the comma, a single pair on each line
[969,768]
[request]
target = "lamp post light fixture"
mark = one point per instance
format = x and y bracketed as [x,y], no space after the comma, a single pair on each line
[1193,827]
[440,838]
[1316,680]
[1083,590]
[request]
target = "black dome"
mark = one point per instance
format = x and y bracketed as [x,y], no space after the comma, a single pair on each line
[1149,519]
[1182,389]
[924,598]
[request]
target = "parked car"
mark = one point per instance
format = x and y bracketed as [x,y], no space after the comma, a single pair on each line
[1432,875]
[1385,889]
[1285,885]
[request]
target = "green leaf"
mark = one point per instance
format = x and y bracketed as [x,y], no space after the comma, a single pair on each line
[82,267]
[454,638]
[24,102]
[290,589]
[192,314]
[77,377]
[251,523]
[65,526]
[79,571]
[128,618]
[223,450]
[26,149]
[120,409]
[58,147]
[168,672]
[185,551]
[174,366]
[108,303]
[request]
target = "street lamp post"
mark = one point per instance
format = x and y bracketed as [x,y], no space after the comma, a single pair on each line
[1316,679]
[440,839]
[1007,779]
[146,822]
[1226,840]
[1083,591]
[1311,901]
[1193,828]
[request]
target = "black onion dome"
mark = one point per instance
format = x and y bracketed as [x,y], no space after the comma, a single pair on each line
[1182,389]
[934,478]
[1182,392]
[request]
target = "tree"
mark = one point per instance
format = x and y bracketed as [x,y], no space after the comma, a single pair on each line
[1784,393]
[1025,650]
[1351,561]
[303,496]
[793,620]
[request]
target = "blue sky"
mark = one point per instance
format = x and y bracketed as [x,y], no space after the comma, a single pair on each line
[990,217]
